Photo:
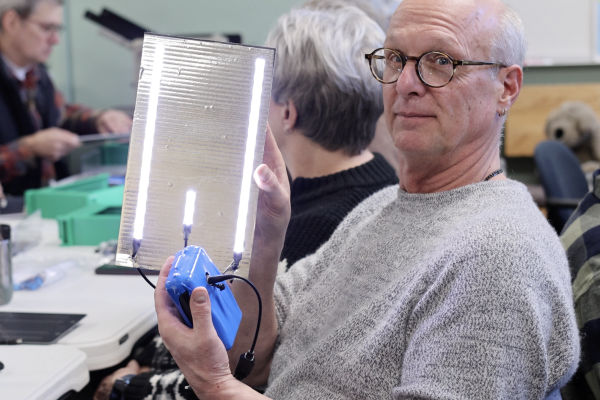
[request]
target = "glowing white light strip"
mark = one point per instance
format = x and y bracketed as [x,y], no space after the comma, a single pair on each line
[190,200]
[140,212]
[259,73]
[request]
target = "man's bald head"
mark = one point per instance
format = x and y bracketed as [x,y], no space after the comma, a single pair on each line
[491,25]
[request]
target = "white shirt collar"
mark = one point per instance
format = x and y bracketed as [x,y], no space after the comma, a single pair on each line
[18,72]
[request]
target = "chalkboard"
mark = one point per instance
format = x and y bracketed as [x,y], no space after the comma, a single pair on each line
[559,32]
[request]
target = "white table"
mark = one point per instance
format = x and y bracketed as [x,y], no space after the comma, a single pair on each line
[41,372]
[119,309]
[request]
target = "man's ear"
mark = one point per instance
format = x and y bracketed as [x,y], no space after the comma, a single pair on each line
[9,21]
[511,79]
[290,115]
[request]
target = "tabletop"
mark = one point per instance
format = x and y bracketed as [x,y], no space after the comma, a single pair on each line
[119,309]
[41,372]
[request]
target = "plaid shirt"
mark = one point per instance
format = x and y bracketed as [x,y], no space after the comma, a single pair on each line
[15,158]
[581,240]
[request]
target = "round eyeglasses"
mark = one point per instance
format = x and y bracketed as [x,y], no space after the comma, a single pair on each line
[435,69]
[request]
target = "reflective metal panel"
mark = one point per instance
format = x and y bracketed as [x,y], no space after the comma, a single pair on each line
[202,119]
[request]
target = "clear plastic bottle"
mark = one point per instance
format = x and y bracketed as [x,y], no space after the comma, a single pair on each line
[6,283]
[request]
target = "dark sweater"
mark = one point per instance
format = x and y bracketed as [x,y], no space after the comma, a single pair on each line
[320,204]
[16,122]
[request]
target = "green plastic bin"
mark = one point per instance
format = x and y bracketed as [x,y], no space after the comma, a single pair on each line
[114,153]
[90,225]
[58,200]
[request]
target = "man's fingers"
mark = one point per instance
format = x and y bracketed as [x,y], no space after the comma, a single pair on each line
[114,121]
[74,140]
[274,159]
[271,177]
[274,194]
[161,296]
[166,312]
[68,142]
[164,270]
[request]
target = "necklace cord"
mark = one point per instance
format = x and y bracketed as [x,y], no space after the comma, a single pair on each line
[493,174]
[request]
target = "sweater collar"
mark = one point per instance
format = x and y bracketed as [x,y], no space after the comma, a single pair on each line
[374,172]
[479,190]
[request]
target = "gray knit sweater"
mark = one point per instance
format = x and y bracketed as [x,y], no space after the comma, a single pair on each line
[463,294]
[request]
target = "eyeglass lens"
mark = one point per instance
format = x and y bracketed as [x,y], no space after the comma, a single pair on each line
[435,69]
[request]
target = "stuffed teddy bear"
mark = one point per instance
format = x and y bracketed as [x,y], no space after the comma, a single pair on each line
[576,124]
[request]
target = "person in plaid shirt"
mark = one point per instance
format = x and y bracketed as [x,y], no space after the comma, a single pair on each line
[581,239]
[37,128]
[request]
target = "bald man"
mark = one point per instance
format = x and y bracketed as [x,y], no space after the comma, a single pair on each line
[36,127]
[450,286]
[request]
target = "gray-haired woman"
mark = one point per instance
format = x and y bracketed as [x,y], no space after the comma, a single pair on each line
[323,113]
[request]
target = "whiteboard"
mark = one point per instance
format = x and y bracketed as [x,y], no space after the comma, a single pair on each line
[559,32]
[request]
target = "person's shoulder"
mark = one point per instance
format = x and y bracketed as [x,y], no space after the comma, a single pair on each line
[507,205]
[509,238]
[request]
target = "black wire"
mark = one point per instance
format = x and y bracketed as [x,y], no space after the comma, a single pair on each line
[147,280]
[220,278]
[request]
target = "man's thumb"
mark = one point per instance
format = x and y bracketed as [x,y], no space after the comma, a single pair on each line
[200,307]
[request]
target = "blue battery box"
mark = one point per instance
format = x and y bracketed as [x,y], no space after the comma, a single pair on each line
[189,272]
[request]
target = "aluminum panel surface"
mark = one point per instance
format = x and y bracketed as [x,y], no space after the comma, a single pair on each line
[202,121]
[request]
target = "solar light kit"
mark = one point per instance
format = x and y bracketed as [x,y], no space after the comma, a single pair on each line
[198,135]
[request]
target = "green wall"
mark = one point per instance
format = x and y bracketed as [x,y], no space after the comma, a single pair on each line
[93,70]
[562,74]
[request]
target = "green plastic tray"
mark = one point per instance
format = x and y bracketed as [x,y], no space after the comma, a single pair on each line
[90,225]
[54,201]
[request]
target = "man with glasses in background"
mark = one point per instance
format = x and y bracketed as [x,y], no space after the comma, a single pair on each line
[451,286]
[36,127]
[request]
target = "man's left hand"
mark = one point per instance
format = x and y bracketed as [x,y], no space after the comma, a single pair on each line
[199,352]
[106,386]
[113,121]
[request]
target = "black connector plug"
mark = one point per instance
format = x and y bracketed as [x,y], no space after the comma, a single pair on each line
[244,367]
[136,246]
[187,229]
[237,257]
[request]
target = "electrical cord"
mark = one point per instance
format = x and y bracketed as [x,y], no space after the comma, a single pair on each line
[246,361]
[213,280]
[146,278]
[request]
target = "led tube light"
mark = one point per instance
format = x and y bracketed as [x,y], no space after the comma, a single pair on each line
[259,72]
[190,201]
[140,212]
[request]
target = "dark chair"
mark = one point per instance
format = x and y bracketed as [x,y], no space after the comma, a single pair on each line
[562,178]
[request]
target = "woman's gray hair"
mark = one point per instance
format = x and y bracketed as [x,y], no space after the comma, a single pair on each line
[509,44]
[320,65]
[366,6]
[22,7]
